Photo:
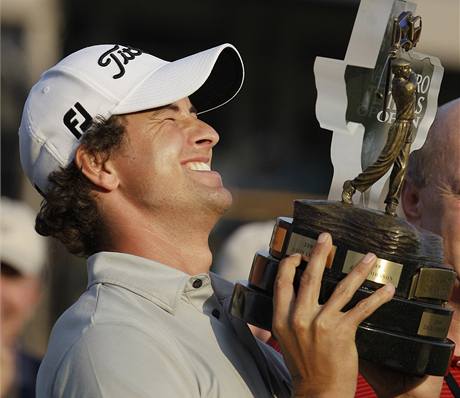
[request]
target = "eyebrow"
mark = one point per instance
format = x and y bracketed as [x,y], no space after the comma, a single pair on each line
[175,108]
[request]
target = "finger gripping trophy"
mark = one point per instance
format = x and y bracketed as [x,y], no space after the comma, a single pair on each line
[409,333]
[397,148]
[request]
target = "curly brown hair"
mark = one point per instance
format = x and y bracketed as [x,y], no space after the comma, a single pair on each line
[69,211]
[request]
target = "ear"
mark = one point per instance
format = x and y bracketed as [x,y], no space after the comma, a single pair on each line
[410,200]
[97,169]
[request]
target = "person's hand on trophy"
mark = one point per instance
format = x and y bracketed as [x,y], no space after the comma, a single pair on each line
[308,331]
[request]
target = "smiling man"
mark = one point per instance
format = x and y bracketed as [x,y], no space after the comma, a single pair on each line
[111,137]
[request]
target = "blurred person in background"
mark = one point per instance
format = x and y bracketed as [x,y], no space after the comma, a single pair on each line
[235,257]
[431,200]
[23,257]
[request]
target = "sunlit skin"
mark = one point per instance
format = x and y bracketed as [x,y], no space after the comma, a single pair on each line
[156,164]
[153,193]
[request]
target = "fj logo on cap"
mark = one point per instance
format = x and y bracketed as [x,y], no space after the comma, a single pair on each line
[72,122]
[121,56]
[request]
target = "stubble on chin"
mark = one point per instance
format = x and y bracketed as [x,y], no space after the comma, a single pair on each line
[220,202]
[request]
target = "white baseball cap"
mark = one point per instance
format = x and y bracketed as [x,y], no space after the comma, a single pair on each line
[112,79]
[20,246]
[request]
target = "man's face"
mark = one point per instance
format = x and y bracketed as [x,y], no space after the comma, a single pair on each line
[165,162]
[441,208]
[443,218]
[19,297]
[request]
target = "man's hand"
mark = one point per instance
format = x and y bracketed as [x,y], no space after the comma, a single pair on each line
[318,341]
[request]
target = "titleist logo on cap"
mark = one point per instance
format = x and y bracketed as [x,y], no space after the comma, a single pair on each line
[121,55]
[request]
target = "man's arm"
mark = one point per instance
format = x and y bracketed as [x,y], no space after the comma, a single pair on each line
[318,341]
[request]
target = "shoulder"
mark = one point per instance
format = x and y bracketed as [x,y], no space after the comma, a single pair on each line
[103,314]
[121,360]
[102,338]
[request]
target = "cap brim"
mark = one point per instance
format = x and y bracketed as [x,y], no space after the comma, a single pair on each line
[210,78]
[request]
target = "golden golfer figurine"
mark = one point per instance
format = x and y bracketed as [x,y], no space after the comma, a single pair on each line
[397,148]
[405,35]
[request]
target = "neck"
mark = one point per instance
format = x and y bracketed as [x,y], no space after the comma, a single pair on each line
[177,240]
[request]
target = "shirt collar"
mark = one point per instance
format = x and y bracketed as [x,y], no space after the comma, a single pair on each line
[152,280]
[222,287]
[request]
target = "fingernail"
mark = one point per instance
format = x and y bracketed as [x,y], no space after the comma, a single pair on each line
[368,258]
[295,255]
[323,237]
[388,287]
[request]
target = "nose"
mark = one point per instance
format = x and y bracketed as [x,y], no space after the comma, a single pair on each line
[202,135]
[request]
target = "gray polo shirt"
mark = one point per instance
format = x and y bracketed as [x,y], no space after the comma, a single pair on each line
[143,329]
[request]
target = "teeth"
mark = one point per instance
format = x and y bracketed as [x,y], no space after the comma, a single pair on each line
[198,166]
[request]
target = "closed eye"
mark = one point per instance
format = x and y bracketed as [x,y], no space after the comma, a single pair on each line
[162,112]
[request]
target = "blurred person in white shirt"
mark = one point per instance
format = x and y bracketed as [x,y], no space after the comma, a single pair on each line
[23,256]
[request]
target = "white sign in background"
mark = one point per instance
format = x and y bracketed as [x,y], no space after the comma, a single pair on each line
[363,50]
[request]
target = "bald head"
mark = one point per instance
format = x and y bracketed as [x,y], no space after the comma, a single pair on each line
[431,194]
[438,161]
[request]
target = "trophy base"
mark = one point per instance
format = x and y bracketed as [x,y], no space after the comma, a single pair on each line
[408,354]
[409,333]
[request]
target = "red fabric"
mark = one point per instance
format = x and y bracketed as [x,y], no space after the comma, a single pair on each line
[273,343]
[455,371]
[364,390]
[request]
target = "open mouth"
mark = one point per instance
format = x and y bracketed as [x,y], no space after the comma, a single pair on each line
[198,166]
[201,172]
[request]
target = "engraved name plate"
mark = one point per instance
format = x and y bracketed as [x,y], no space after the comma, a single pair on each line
[383,272]
[434,325]
[304,245]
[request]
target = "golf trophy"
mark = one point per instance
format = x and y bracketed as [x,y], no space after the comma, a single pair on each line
[379,102]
